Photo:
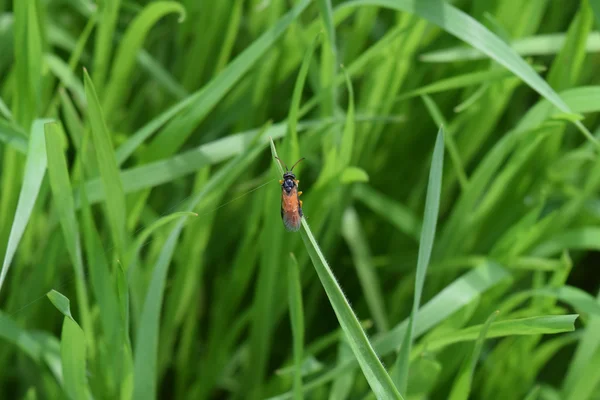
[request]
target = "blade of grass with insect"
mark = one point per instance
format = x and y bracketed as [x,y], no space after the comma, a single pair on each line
[378,378]
[72,350]
[35,170]
[432,205]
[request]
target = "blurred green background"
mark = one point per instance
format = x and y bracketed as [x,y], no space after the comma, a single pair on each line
[143,250]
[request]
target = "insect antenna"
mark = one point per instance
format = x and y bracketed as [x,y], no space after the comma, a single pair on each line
[296,163]
[282,163]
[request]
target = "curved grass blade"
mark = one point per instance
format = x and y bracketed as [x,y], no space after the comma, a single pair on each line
[118,87]
[432,206]
[35,169]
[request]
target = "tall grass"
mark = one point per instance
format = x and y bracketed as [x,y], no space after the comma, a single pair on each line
[448,246]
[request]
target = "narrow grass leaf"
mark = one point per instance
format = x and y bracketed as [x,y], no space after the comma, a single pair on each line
[17,336]
[297,322]
[376,375]
[432,206]
[463,382]
[64,203]
[35,169]
[72,350]
[107,164]
[550,324]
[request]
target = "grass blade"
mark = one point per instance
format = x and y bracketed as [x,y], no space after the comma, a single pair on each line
[107,164]
[35,169]
[432,206]
[72,350]
[376,375]
[118,87]
[63,200]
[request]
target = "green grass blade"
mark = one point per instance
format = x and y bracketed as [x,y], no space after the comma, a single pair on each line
[65,205]
[462,384]
[376,375]
[107,164]
[15,335]
[118,87]
[357,242]
[72,351]
[524,326]
[297,322]
[35,169]
[432,206]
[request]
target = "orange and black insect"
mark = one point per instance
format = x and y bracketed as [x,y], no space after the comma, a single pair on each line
[291,205]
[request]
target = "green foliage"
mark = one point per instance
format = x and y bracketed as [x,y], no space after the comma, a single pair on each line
[462,266]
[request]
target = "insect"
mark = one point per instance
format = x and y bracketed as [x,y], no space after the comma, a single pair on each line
[291,205]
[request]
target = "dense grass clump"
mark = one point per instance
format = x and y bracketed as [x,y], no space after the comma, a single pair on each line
[451,199]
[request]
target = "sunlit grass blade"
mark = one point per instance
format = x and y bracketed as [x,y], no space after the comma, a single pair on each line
[462,384]
[432,206]
[107,164]
[35,169]
[72,351]
[297,322]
